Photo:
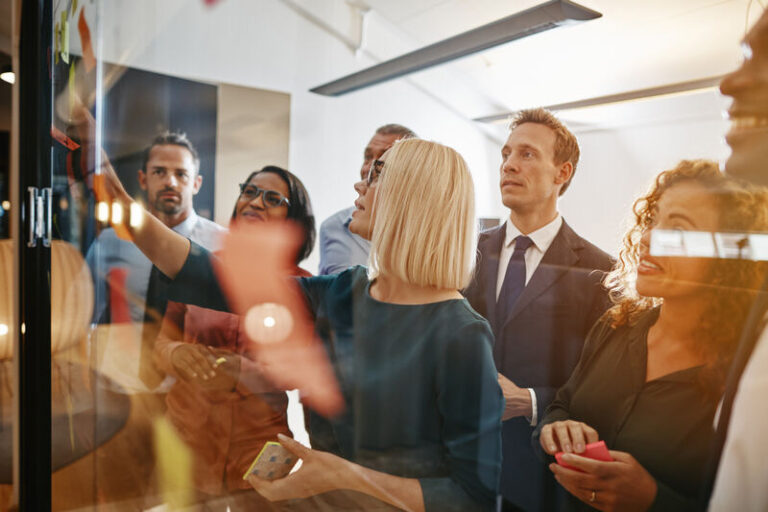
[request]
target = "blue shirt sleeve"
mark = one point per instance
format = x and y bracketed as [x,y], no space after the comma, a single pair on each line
[340,249]
[334,253]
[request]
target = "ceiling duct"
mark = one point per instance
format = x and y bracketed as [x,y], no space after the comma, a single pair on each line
[700,84]
[552,14]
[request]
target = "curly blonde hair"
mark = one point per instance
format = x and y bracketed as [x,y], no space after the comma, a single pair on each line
[732,283]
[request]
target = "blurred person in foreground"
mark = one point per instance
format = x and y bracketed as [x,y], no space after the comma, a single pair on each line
[739,452]
[653,368]
[129,303]
[220,405]
[421,425]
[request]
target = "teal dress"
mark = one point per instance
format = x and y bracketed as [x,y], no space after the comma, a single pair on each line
[419,384]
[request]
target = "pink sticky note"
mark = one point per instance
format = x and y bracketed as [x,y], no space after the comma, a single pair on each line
[255,269]
[596,451]
[85,42]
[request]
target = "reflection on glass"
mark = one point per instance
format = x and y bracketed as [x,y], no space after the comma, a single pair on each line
[166,398]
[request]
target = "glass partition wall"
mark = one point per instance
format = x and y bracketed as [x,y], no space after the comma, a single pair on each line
[123,390]
[113,426]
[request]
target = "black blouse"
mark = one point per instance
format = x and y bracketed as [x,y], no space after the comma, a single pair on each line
[666,423]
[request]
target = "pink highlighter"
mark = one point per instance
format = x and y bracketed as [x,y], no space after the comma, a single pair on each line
[596,451]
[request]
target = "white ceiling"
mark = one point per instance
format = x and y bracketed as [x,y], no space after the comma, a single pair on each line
[636,44]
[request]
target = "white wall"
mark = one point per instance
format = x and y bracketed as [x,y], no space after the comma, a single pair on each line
[638,141]
[253,131]
[263,44]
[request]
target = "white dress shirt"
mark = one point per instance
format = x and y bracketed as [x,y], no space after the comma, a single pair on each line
[742,480]
[542,238]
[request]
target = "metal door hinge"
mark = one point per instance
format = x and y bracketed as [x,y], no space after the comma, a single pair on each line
[39,216]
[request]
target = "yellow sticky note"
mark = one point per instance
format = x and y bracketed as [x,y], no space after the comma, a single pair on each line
[56,41]
[71,83]
[64,37]
[174,466]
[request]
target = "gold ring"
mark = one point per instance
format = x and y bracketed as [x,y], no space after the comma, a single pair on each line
[592,498]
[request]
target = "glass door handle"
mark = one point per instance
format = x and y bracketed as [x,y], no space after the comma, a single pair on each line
[39,216]
[32,217]
[47,200]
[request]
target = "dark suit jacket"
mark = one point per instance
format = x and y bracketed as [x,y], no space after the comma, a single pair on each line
[539,341]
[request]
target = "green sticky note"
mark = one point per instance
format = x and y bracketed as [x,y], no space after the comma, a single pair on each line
[64,46]
[56,41]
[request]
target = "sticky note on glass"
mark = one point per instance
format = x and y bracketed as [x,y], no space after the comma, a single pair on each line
[71,87]
[85,42]
[294,358]
[64,42]
[174,466]
[62,138]
[272,463]
[56,42]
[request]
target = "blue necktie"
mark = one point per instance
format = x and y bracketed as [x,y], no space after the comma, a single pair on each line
[514,280]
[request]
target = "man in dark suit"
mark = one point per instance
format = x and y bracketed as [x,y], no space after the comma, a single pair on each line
[538,284]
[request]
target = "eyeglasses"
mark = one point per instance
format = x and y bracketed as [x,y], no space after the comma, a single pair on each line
[271,198]
[374,172]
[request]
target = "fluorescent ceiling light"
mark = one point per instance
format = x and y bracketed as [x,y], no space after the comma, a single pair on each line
[639,94]
[543,17]
[704,244]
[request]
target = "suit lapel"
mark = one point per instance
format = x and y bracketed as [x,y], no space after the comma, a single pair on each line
[559,258]
[490,250]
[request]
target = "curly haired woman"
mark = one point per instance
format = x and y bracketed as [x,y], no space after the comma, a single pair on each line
[653,367]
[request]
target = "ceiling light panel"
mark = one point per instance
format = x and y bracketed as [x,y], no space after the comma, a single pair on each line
[537,19]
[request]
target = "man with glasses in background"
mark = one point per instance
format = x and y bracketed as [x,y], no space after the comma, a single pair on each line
[340,249]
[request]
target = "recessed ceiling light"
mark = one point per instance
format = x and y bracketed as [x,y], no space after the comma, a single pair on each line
[7,75]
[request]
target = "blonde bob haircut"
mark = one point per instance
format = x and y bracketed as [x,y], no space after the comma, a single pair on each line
[424,231]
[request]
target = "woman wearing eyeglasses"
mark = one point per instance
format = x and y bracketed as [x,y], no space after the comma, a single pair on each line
[220,405]
[421,427]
